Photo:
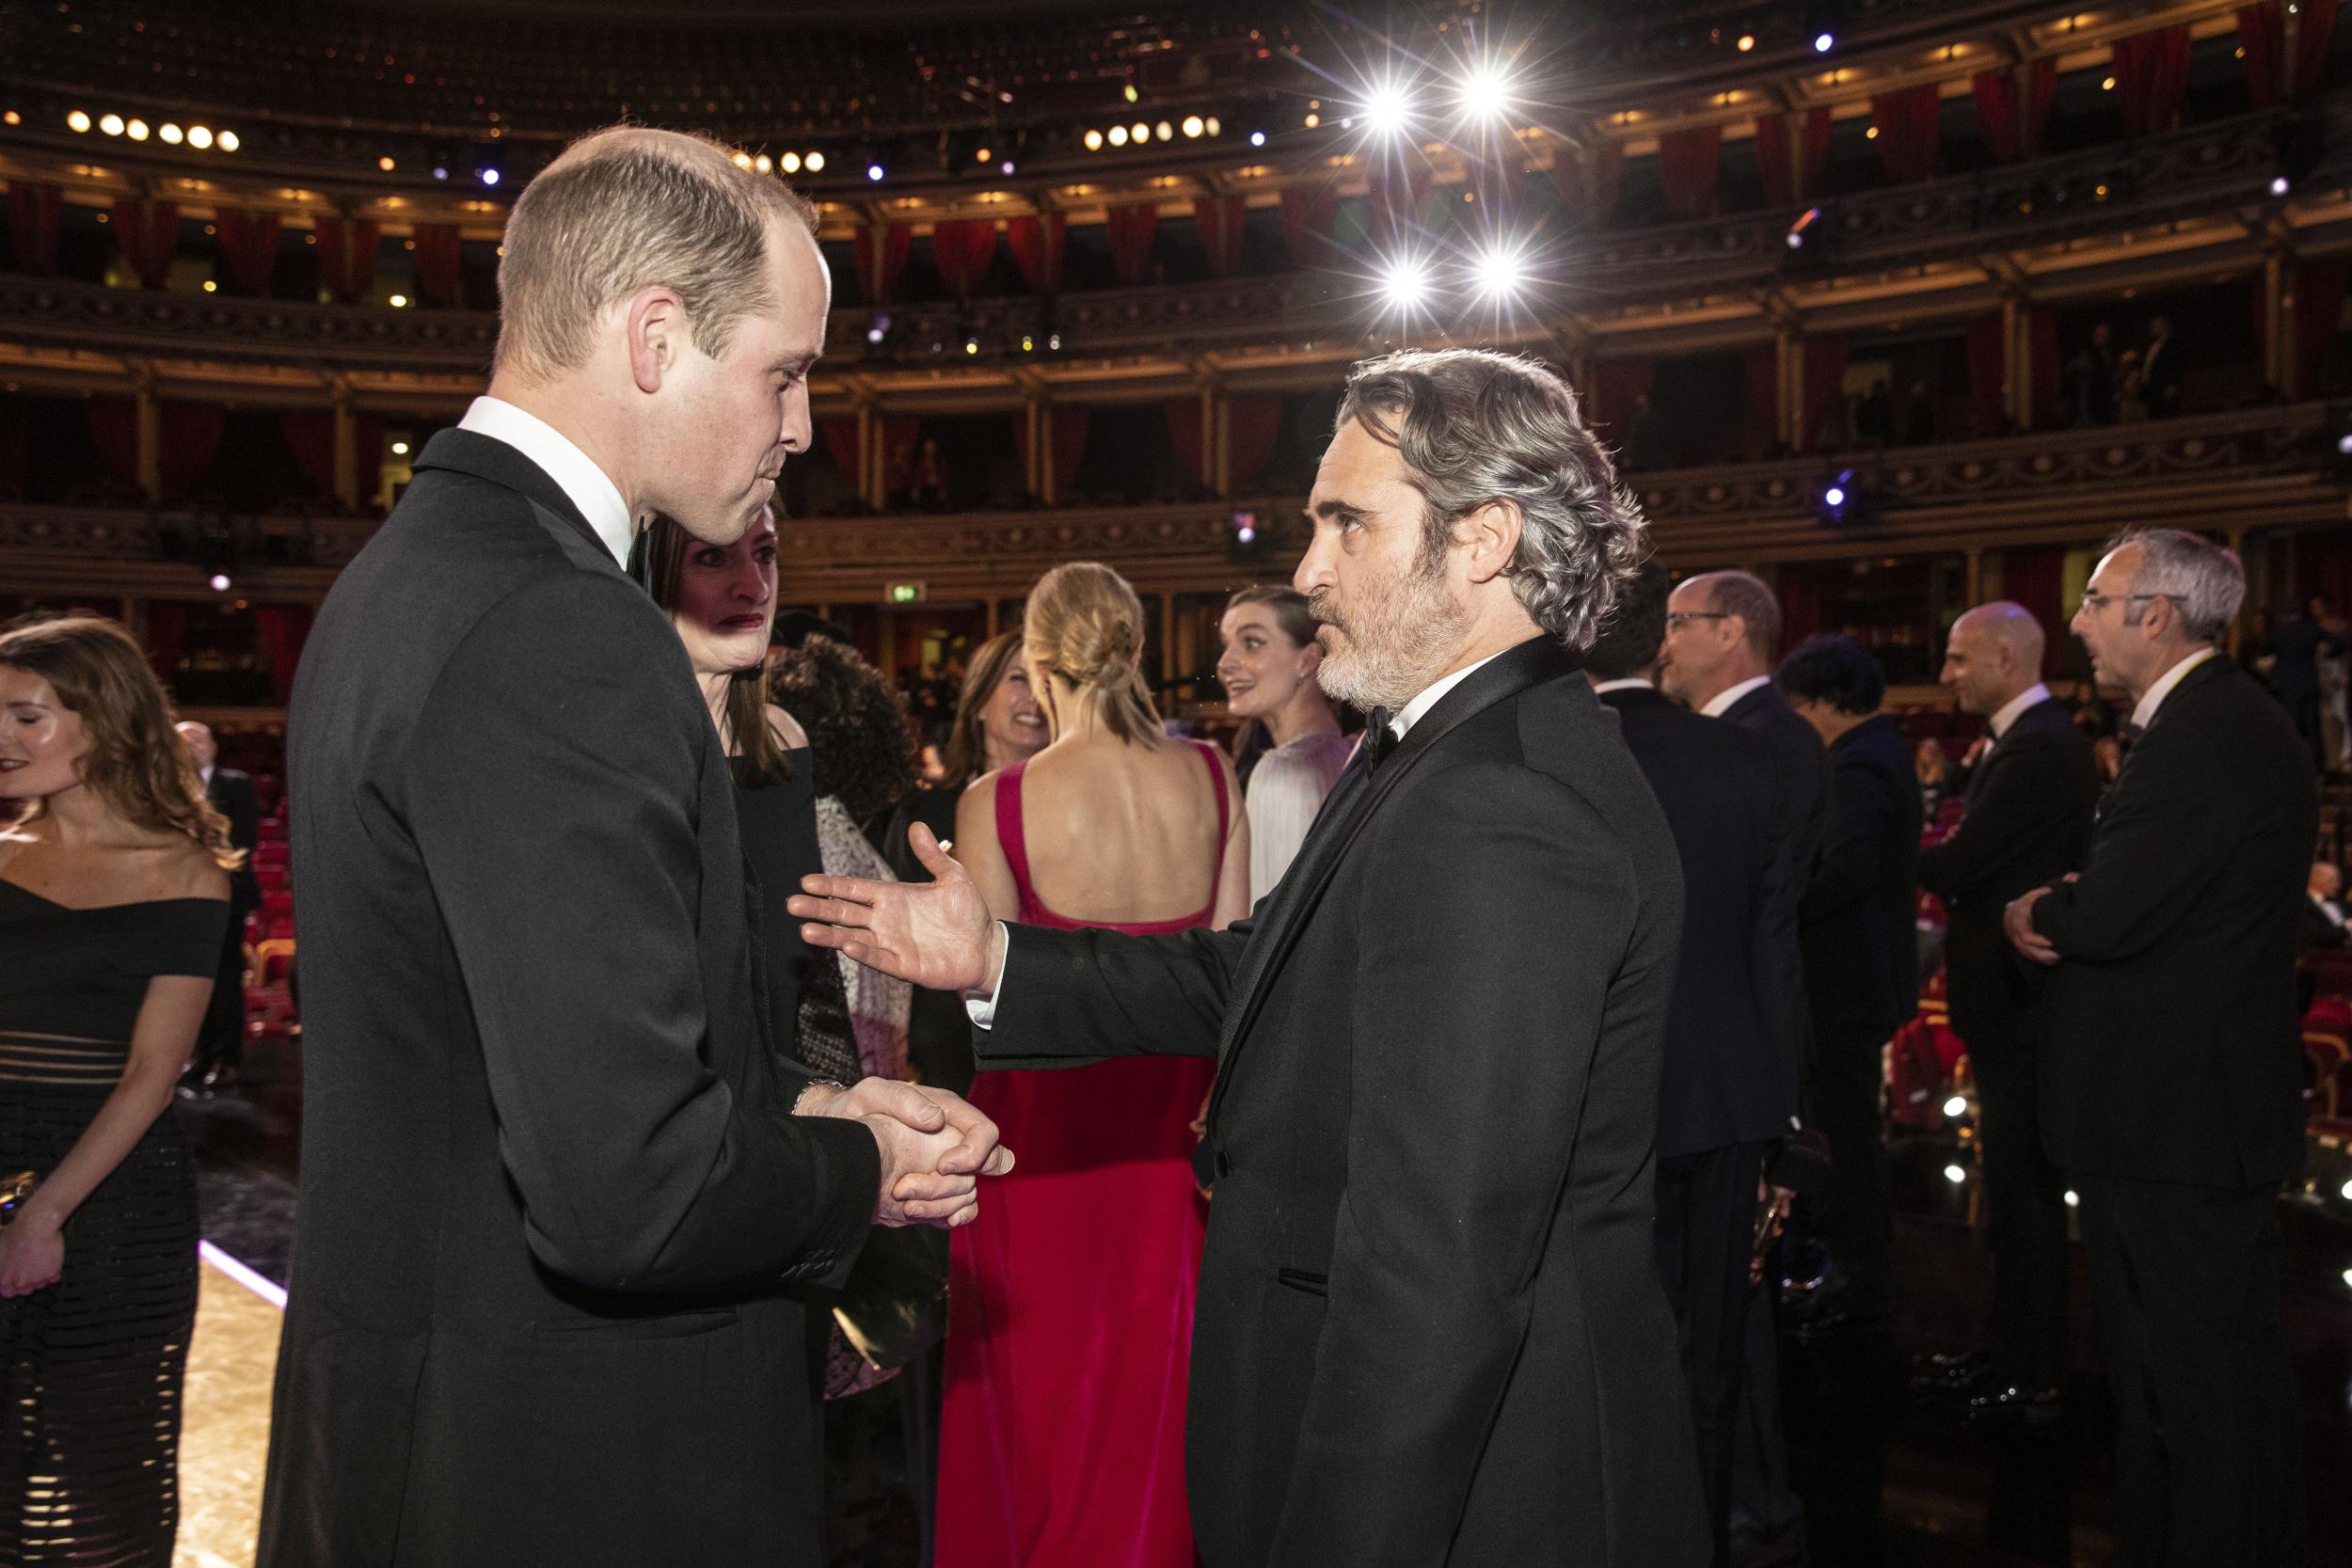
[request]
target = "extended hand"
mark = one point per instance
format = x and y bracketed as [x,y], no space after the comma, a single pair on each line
[937,934]
[32,1256]
[2017,922]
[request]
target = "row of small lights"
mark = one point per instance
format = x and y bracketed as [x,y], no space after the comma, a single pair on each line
[791,162]
[201,138]
[1143,131]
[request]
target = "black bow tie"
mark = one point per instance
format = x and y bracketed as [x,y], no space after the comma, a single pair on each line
[1379,737]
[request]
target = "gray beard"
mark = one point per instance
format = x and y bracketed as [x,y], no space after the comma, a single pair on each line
[1393,647]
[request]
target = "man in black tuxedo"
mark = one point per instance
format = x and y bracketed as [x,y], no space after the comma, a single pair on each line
[2322,927]
[2172,1066]
[1858,927]
[1430,1328]
[1729,1089]
[220,1045]
[557,1181]
[2031,798]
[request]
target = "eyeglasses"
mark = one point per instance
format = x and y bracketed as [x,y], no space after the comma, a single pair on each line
[2093,603]
[1676,617]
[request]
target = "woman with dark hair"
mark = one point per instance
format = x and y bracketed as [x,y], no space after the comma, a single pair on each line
[1268,671]
[114,903]
[1088,1264]
[997,723]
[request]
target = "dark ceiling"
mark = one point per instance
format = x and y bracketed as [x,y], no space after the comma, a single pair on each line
[775,13]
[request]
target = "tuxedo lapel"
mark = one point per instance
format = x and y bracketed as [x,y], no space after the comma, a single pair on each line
[1296,898]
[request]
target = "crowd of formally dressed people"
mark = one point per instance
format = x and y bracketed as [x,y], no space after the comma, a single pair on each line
[1404,1153]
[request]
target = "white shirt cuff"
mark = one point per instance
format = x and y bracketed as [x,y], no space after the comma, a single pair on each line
[983,1008]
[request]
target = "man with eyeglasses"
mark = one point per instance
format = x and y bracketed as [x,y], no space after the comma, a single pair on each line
[2171,1059]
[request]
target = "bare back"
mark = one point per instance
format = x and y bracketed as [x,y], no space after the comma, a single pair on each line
[1114,834]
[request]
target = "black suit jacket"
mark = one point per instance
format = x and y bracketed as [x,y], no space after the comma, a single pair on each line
[2314,932]
[1860,917]
[1430,1329]
[231,793]
[1726,1080]
[1801,776]
[2170,1046]
[551,1190]
[2030,799]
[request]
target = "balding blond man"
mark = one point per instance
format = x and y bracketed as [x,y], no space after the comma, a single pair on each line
[557,1183]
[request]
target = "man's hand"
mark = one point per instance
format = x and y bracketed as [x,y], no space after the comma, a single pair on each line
[937,934]
[934,1147]
[2017,922]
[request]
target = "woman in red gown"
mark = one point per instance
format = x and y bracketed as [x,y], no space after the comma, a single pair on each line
[1062,1435]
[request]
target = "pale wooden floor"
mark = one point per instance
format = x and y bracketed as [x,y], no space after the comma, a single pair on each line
[224,1435]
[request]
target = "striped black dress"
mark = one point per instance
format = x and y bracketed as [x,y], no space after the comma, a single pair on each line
[91,1368]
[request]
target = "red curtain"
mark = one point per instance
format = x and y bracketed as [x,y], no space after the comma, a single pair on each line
[962,251]
[1219,219]
[1129,227]
[311,437]
[1185,433]
[2041,334]
[2318,306]
[114,430]
[1036,249]
[1824,381]
[878,275]
[1761,363]
[166,630]
[1253,428]
[1616,385]
[1308,217]
[1799,598]
[2262,49]
[2314,30]
[346,248]
[1995,96]
[436,265]
[1687,161]
[1588,181]
[34,224]
[188,441]
[2150,76]
[1781,186]
[149,234]
[1987,372]
[249,243]
[1070,445]
[839,432]
[1910,123]
[2035,576]
[900,433]
[284,628]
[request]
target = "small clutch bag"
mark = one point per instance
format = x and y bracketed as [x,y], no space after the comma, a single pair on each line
[14,1189]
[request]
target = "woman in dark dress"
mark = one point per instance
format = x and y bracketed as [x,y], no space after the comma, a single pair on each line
[113,902]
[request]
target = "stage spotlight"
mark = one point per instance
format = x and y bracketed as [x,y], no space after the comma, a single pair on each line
[1823,44]
[813,163]
[1834,496]
[489,175]
[111,125]
[874,172]
[1257,139]
[1119,136]
[1486,92]
[1388,109]
[200,137]
[1404,283]
[77,120]
[1094,141]
[1500,271]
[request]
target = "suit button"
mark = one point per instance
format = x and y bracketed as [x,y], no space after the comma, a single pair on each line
[1224,1165]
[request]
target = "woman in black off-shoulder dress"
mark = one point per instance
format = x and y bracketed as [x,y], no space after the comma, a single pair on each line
[113,907]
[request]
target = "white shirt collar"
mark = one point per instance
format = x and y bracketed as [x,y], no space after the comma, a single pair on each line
[2013,710]
[590,488]
[1720,704]
[1628,683]
[2144,712]
[1411,712]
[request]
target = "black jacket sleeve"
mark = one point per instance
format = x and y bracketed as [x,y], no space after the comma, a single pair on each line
[551,794]
[1861,805]
[1996,818]
[1072,997]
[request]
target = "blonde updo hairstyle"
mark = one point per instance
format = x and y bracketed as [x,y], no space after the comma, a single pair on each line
[1083,628]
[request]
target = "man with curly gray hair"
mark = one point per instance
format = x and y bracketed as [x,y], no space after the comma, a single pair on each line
[1430,1328]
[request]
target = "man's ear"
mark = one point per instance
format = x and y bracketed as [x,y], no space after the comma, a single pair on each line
[655,321]
[1489,537]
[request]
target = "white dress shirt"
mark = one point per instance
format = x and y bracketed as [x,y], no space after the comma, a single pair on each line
[1628,683]
[1720,704]
[983,1010]
[2015,707]
[590,488]
[2144,712]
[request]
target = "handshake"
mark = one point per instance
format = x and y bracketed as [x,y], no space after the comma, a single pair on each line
[935,1147]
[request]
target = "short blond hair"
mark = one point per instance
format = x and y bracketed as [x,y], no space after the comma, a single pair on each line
[1085,623]
[630,208]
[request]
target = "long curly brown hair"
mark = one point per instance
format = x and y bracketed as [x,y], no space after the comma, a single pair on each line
[136,762]
[858,738]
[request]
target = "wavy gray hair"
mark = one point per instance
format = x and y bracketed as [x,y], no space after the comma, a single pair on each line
[2208,580]
[1474,427]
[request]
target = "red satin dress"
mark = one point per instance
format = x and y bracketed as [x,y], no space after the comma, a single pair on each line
[1062,1440]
